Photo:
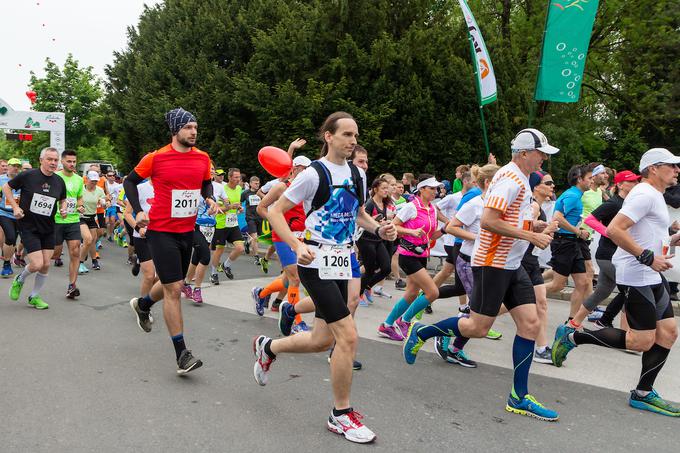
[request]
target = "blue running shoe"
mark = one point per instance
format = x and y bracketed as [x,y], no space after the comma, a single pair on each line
[653,403]
[259,301]
[363,302]
[562,330]
[301,327]
[529,407]
[285,319]
[560,349]
[413,343]
[99,244]
[368,295]
[6,271]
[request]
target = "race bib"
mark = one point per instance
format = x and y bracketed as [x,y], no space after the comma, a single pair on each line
[71,204]
[42,204]
[185,203]
[253,200]
[231,220]
[207,231]
[334,263]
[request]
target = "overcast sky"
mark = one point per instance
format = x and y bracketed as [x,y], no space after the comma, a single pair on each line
[33,30]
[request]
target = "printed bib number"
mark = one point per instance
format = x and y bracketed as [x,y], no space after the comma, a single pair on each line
[334,263]
[207,231]
[42,204]
[71,204]
[185,203]
[253,200]
[231,220]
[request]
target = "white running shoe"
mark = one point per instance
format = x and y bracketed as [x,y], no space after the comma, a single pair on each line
[350,426]
[263,362]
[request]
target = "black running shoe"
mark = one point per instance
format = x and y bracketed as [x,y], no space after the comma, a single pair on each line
[135,268]
[95,265]
[400,284]
[58,262]
[228,273]
[187,362]
[72,292]
[246,245]
[428,309]
[356,365]
[143,317]
[214,279]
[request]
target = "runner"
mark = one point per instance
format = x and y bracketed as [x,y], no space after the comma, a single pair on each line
[42,192]
[208,219]
[254,222]
[93,197]
[324,265]
[112,211]
[592,198]
[181,176]
[146,197]
[68,229]
[226,228]
[640,230]
[8,223]
[499,278]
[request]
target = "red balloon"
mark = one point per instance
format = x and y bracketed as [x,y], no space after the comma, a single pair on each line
[32,96]
[276,161]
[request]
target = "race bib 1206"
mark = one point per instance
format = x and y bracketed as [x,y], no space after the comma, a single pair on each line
[334,263]
[185,203]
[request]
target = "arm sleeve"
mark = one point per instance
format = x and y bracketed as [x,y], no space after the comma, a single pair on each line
[596,225]
[130,187]
[207,189]
[605,212]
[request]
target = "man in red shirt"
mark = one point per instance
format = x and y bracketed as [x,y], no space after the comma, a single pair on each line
[181,178]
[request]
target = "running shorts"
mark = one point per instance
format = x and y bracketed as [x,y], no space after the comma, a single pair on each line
[10,228]
[201,253]
[356,267]
[534,271]
[493,287]
[412,264]
[585,249]
[329,296]
[66,232]
[452,252]
[567,256]
[90,221]
[255,227]
[171,253]
[286,255]
[111,211]
[224,235]
[35,241]
[142,249]
[101,220]
[645,305]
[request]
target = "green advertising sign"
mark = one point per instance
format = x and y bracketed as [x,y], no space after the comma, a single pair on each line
[565,48]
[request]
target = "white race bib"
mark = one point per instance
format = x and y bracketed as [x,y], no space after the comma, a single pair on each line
[71,204]
[42,204]
[334,262]
[185,203]
[208,232]
[231,220]
[254,200]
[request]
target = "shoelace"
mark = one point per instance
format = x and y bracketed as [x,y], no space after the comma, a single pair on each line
[533,400]
[355,418]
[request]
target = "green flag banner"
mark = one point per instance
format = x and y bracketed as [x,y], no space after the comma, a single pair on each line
[565,47]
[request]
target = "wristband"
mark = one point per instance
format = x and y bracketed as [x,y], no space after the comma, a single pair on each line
[137,228]
[646,257]
[377,231]
[443,230]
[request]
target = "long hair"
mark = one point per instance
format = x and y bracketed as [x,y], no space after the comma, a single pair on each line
[331,125]
[374,187]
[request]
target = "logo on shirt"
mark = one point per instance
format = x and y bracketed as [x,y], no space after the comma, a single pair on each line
[45,187]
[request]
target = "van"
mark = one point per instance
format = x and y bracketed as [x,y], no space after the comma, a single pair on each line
[104,165]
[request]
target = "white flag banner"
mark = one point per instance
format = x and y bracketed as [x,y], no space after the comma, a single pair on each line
[485,75]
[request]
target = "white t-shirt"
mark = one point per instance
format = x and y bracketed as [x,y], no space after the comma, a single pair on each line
[268,185]
[218,191]
[332,228]
[447,206]
[146,195]
[409,211]
[114,191]
[510,194]
[645,206]
[471,216]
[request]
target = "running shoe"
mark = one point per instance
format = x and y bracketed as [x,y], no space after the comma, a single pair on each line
[441,346]
[197,296]
[285,319]
[350,426]
[363,302]
[356,365]
[15,289]
[464,311]
[653,403]
[595,314]
[390,332]
[403,326]
[300,327]
[530,407]
[428,309]
[109,238]
[259,301]
[562,330]
[58,262]
[544,357]
[246,245]
[82,269]
[95,265]
[276,304]
[144,319]
[560,349]
[99,244]
[6,271]
[380,291]
[459,357]
[264,263]
[135,268]
[400,284]
[214,279]
[72,292]
[19,261]
[257,261]
[412,344]
[187,362]
[368,295]
[131,261]
[37,302]
[493,335]
[263,362]
[187,291]
[227,272]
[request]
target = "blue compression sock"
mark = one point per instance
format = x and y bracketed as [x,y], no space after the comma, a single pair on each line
[416,306]
[445,328]
[522,354]
[398,310]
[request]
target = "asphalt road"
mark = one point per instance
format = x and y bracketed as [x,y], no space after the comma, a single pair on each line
[82,377]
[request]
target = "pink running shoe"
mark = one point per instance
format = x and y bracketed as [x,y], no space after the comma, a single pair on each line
[186,291]
[390,332]
[403,326]
[197,296]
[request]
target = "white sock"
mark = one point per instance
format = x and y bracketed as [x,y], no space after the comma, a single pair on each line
[377,289]
[540,349]
[25,273]
[212,270]
[40,280]
[227,263]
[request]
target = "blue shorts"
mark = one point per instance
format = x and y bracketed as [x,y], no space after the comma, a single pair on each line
[356,267]
[112,212]
[286,255]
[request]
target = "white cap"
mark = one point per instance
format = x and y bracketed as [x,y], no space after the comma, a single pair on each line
[658,156]
[93,176]
[528,139]
[429,182]
[302,161]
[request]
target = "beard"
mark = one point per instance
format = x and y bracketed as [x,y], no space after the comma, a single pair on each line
[188,142]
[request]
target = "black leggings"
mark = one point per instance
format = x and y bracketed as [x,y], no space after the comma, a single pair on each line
[201,252]
[9,226]
[376,261]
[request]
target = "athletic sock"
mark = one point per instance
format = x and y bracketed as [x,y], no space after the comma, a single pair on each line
[145,303]
[609,337]
[277,301]
[447,328]
[213,270]
[338,413]
[417,306]
[268,349]
[446,291]
[541,349]
[459,343]
[40,280]
[399,309]
[652,362]
[294,298]
[227,263]
[522,353]
[274,287]
[25,273]
[178,343]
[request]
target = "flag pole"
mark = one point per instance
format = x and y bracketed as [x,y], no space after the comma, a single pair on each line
[532,105]
[479,95]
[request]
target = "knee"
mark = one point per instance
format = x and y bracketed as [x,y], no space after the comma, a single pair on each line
[530,327]
[432,294]
[239,247]
[348,341]
[668,335]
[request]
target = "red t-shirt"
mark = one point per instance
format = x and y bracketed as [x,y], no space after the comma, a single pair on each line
[295,217]
[177,180]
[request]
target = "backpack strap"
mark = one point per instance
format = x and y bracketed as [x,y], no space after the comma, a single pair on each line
[358,182]
[323,192]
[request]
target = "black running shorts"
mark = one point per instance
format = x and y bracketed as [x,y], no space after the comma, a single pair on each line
[452,252]
[224,235]
[35,241]
[412,264]
[142,249]
[645,305]
[567,256]
[171,253]
[493,287]
[67,232]
[329,296]
[90,221]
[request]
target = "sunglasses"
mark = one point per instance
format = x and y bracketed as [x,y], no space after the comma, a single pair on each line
[548,183]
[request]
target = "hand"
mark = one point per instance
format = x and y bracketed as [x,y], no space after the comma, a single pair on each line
[418,233]
[541,240]
[388,232]
[675,239]
[81,209]
[142,232]
[551,228]
[63,212]
[675,226]
[662,263]
[142,219]
[491,159]
[297,144]
[540,225]
[18,213]
[304,255]
[583,234]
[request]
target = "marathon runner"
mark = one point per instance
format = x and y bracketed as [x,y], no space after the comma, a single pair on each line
[227,229]
[8,223]
[112,211]
[253,220]
[181,177]
[640,230]
[498,277]
[324,265]
[42,193]
[146,197]
[93,198]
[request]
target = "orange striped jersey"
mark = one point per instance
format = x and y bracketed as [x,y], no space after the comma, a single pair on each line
[510,194]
